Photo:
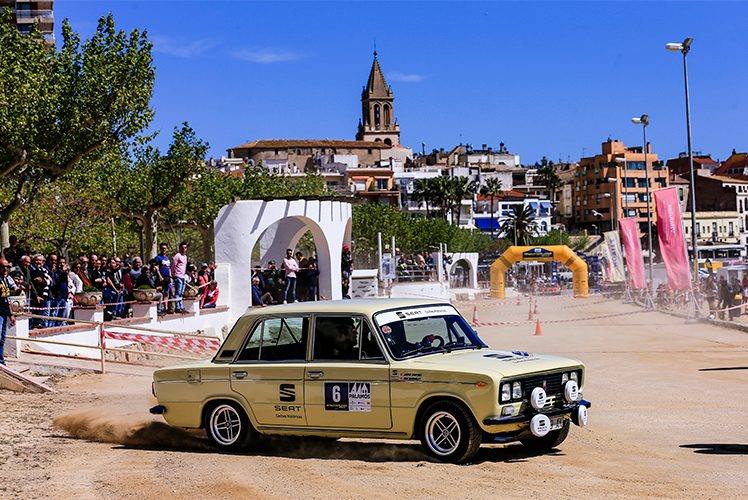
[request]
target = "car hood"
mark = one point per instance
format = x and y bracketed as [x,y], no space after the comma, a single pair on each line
[492,362]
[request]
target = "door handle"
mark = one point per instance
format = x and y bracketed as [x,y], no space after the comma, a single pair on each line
[240,375]
[315,374]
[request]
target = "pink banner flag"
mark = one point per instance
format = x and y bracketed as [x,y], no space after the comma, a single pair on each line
[672,239]
[632,247]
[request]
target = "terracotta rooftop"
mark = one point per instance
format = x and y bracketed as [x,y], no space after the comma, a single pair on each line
[311,143]
[735,179]
[736,160]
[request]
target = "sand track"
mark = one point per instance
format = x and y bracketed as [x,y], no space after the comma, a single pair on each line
[668,419]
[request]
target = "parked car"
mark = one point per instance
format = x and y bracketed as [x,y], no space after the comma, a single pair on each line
[396,369]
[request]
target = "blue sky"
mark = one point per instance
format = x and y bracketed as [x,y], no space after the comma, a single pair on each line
[550,79]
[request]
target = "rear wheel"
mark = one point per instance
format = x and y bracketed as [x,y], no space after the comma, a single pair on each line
[228,427]
[450,433]
[549,441]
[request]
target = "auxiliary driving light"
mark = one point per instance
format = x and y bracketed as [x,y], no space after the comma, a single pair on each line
[540,425]
[571,391]
[507,411]
[506,392]
[579,416]
[538,398]
[517,390]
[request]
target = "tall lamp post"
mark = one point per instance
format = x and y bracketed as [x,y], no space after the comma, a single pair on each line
[625,190]
[684,48]
[643,120]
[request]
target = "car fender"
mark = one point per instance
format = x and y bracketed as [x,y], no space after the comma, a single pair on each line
[235,397]
[426,399]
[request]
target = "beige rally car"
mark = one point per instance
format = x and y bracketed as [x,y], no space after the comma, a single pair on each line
[398,369]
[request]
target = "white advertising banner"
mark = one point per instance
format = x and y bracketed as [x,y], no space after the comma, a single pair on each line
[616,272]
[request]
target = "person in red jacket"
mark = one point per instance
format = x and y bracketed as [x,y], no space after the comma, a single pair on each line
[209,297]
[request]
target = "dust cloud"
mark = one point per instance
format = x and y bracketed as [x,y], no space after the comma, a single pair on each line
[97,426]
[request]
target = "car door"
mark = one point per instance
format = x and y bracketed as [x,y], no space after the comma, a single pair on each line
[347,380]
[269,370]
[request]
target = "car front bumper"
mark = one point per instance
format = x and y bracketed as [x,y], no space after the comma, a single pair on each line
[527,415]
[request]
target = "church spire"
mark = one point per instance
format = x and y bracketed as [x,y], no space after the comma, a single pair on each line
[378,121]
[377,86]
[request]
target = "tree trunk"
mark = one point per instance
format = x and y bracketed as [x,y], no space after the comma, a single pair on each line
[492,212]
[207,237]
[114,237]
[4,235]
[150,231]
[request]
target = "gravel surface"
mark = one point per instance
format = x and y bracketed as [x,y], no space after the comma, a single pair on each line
[668,419]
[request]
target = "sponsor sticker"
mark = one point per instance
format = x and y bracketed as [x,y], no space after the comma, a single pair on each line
[348,396]
[287,393]
[387,317]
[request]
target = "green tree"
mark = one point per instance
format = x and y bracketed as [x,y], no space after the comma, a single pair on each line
[491,189]
[144,183]
[58,108]
[521,225]
[460,188]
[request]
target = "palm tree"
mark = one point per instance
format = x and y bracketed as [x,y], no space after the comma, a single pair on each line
[520,225]
[491,189]
[459,188]
[441,193]
[423,192]
[548,177]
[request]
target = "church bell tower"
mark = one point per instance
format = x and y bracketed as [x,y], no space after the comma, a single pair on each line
[378,121]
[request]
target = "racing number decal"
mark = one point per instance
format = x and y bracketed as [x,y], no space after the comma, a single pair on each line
[348,396]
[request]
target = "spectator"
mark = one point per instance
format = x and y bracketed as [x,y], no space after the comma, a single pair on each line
[7,286]
[13,253]
[273,281]
[179,275]
[291,267]
[97,271]
[301,275]
[113,290]
[312,281]
[346,262]
[59,291]
[24,269]
[74,279]
[82,270]
[209,298]
[260,298]
[39,291]
[164,270]
[131,277]
[203,277]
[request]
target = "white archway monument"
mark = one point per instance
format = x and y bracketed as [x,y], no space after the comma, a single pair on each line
[277,225]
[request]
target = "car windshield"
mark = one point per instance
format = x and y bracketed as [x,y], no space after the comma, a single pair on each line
[426,330]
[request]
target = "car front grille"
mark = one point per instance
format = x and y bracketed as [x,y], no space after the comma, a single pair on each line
[551,382]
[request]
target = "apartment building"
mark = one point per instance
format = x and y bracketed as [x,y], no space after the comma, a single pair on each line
[29,13]
[613,184]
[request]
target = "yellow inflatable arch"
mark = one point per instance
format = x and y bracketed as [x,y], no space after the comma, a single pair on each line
[559,253]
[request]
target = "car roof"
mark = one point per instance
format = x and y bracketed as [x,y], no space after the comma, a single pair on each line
[353,306]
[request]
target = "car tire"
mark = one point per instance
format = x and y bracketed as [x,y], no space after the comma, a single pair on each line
[549,441]
[228,427]
[449,432]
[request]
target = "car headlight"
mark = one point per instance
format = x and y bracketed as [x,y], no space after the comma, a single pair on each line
[564,378]
[517,390]
[506,392]
[575,377]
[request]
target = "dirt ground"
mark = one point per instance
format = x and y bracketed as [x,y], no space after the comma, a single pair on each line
[668,419]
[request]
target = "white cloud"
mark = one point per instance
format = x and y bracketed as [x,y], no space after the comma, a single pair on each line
[405,77]
[266,55]
[186,50]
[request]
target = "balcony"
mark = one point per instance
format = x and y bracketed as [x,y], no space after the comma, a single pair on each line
[31,16]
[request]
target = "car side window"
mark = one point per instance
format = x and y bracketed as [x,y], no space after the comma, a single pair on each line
[277,339]
[344,338]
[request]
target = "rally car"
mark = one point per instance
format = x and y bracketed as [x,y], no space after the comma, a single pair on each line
[393,368]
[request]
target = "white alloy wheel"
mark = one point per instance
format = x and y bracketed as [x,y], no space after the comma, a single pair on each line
[442,433]
[225,425]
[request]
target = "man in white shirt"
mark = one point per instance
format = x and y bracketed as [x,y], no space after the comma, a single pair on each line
[290,266]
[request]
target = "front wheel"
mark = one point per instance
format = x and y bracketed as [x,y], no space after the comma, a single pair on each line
[549,441]
[450,433]
[228,427]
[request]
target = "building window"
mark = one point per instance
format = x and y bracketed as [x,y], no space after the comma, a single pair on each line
[382,184]
[377,118]
[387,116]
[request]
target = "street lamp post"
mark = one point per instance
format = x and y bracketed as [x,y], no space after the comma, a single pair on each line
[643,120]
[684,48]
[625,189]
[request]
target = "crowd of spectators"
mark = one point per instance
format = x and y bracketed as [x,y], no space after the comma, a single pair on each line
[52,285]
[296,280]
